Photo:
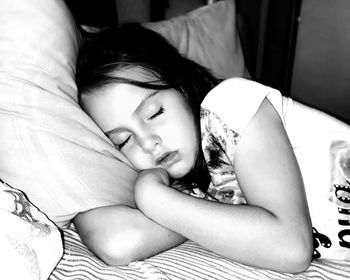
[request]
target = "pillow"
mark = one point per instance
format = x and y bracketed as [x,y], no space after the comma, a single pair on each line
[208,36]
[322,146]
[31,245]
[48,145]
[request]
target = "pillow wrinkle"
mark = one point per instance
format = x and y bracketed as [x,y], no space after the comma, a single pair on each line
[49,147]
[203,36]
[61,159]
[185,41]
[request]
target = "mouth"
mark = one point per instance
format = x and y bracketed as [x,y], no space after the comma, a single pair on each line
[167,159]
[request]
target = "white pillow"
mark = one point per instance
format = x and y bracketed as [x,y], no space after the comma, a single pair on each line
[31,245]
[48,146]
[207,35]
[322,146]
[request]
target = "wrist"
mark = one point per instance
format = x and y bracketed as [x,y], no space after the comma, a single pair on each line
[148,186]
[153,198]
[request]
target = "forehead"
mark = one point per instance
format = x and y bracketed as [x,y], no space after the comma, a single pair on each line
[116,100]
[114,104]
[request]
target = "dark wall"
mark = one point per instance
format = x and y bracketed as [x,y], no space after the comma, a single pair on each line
[280,39]
[272,28]
[92,12]
[321,75]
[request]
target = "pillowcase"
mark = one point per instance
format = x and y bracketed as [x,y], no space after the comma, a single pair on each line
[208,36]
[322,146]
[31,245]
[48,145]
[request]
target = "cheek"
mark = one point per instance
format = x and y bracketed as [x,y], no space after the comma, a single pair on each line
[188,131]
[182,121]
[181,135]
[138,159]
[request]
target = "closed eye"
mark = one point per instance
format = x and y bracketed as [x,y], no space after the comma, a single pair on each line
[159,112]
[121,145]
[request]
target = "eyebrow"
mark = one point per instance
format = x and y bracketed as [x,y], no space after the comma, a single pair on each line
[143,101]
[138,108]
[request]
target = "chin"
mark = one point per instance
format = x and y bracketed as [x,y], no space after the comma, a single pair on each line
[178,173]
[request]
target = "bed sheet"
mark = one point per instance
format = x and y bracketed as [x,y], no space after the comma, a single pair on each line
[189,261]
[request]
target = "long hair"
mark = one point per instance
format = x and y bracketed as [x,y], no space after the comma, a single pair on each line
[131,45]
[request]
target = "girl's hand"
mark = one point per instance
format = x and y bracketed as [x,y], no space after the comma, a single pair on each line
[159,176]
[148,183]
[153,176]
[153,190]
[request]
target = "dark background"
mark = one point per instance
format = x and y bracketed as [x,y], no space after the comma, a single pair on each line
[284,41]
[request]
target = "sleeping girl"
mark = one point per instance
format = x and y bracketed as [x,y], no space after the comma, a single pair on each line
[216,159]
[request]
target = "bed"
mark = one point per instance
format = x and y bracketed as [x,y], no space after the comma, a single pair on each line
[55,162]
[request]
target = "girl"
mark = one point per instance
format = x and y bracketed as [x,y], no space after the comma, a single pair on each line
[216,164]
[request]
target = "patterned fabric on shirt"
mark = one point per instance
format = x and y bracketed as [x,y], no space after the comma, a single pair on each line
[219,145]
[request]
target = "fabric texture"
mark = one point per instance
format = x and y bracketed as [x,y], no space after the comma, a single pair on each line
[31,245]
[321,144]
[49,147]
[219,145]
[203,36]
[189,261]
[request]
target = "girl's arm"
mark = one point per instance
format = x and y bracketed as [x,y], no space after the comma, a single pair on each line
[120,234]
[272,231]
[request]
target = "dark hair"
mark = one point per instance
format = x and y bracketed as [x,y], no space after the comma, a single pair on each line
[130,46]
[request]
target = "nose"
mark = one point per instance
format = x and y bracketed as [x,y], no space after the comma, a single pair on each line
[150,142]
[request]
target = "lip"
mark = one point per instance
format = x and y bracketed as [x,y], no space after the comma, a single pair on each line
[167,159]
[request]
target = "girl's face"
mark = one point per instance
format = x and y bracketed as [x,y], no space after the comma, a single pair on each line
[152,128]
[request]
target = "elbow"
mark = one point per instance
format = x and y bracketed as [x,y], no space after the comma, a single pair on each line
[116,249]
[299,254]
[116,253]
[300,259]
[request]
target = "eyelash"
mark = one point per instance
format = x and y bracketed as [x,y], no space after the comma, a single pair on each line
[159,112]
[121,145]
